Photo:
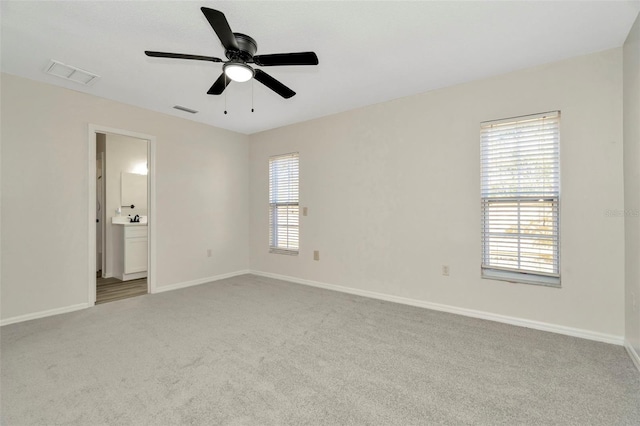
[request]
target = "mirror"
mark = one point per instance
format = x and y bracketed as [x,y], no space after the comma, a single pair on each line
[134,191]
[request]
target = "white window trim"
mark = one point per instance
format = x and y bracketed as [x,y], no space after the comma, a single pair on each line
[522,276]
[272,232]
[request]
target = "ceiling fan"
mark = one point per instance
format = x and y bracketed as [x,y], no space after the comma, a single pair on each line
[240,51]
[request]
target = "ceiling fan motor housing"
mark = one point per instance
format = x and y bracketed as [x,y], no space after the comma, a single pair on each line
[247,45]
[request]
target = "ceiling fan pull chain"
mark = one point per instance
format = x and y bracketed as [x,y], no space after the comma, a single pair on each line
[251,95]
[225,94]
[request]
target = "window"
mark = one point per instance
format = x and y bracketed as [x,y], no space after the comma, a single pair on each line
[520,189]
[284,219]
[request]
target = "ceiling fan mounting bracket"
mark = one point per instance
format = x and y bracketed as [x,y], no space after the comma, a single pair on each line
[247,45]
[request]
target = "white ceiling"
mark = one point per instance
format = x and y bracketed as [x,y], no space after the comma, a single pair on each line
[369,52]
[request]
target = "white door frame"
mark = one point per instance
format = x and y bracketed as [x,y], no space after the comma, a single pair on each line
[103,216]
[151,190]
[100,212]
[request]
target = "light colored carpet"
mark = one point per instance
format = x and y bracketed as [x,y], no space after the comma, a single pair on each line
[256,351]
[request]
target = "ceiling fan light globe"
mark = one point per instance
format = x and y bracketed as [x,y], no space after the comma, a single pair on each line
[238,72]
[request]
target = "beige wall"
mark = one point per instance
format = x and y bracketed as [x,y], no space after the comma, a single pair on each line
[632,183]
[201,190]
[393,194]
[392,191]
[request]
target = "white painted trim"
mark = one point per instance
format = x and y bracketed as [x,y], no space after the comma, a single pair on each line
[80,306]
[151,223]
[151,182]
[521,322]
[103,216]
[633,354]
[91,210]
[199,281]
[47,313]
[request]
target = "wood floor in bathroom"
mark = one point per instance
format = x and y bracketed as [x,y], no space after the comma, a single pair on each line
[110,289]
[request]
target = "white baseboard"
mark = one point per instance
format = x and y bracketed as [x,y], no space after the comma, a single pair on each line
[521,322]
[633,354]
[199,281]
[80,306]
[42,314]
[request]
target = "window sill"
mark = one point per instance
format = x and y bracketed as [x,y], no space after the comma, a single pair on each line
[281,251]
[521,278]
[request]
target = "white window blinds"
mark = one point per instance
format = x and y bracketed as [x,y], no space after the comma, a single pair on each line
[284,219]
[520,186]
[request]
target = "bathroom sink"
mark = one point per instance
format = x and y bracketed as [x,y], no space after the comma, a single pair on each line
[125,220]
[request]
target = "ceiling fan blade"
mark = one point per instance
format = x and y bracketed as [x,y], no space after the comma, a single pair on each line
[299,58]
[181,56]
[218,87]
[220,25]
[273,84]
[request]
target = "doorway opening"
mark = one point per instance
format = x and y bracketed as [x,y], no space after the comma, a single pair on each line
[122,230]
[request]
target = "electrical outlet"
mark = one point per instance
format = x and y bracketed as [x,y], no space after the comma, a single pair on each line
[304,211]
[445,270]
[209,253]
[316,255]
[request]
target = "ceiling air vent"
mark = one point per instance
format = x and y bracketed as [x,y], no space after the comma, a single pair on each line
[71,73]
[185,109]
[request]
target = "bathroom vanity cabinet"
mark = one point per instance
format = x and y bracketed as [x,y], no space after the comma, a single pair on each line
[130,251]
